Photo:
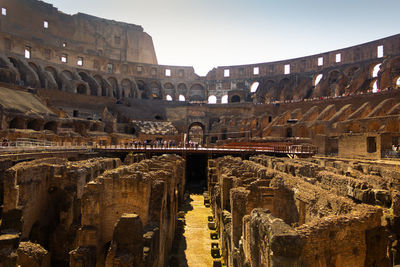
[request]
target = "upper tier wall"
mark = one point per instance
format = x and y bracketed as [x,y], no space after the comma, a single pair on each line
[80,32]
[389,46]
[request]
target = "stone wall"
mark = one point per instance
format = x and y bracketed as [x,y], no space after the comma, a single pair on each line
[280,212]
[42,199]
[151,190]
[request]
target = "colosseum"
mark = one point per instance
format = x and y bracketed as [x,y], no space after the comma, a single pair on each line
[111,159]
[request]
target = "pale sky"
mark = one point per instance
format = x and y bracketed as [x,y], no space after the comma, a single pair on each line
[210,33]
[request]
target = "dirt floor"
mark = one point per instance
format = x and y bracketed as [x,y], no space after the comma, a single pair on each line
[193,247]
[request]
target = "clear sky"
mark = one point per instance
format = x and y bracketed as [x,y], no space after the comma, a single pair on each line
[210,33]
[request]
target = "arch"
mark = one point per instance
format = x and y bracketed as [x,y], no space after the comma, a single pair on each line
[67,74]
[14,62]
[182,89]
[375,70]
[144,95]
[127,89]
[34,124]
[397,82]
[93,84]
[235,99]
[156,91]
[168,98]
[268,92]
[286,89]
[169,89]
[224,99]
[114,85]
[212,99]
[196,132]
[102,84]
[196,98]
[54,73]
[51,125]
[317,78]
[35,68]
[182,98]
[197,92]
[333,76]
[81,89]
[254,87]
[374,85]
[141,85]
[17,123]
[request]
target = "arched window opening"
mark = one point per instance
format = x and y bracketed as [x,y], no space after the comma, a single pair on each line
[182,98]
[34,125]
[81,89]
[376,70]
[318,79]
[375,88]
[212,99]
[398,82]
[235,99]
[52,126]
[224,99]
[254,87]
[169,98]
[196,134]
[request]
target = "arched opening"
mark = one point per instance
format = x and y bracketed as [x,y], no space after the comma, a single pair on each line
[212,99]
[36,70]
[100,81]
[81,89]
[168,98]
[51,125]
[182,89]
[127,88]
[268,92]
[375,88]
[317,79]
[144,95]
[114,85]
[93,86]
[397,82]
[67,74]
[34,125]
[375,70]
[182,98]
[235,99]
[156,90]
[254,87]
[53,73]
[196,133]
[224,99]
[197,93]
[169,90]
[17,123]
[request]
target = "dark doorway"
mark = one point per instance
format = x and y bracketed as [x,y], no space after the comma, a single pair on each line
[196,133]
[235,99]
[289,132]
[196,173]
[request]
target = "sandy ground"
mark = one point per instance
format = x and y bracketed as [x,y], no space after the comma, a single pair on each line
[195,245]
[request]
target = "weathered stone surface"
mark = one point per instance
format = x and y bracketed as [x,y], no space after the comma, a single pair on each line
[30,254]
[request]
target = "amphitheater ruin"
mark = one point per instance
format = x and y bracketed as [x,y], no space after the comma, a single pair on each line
[110,159]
